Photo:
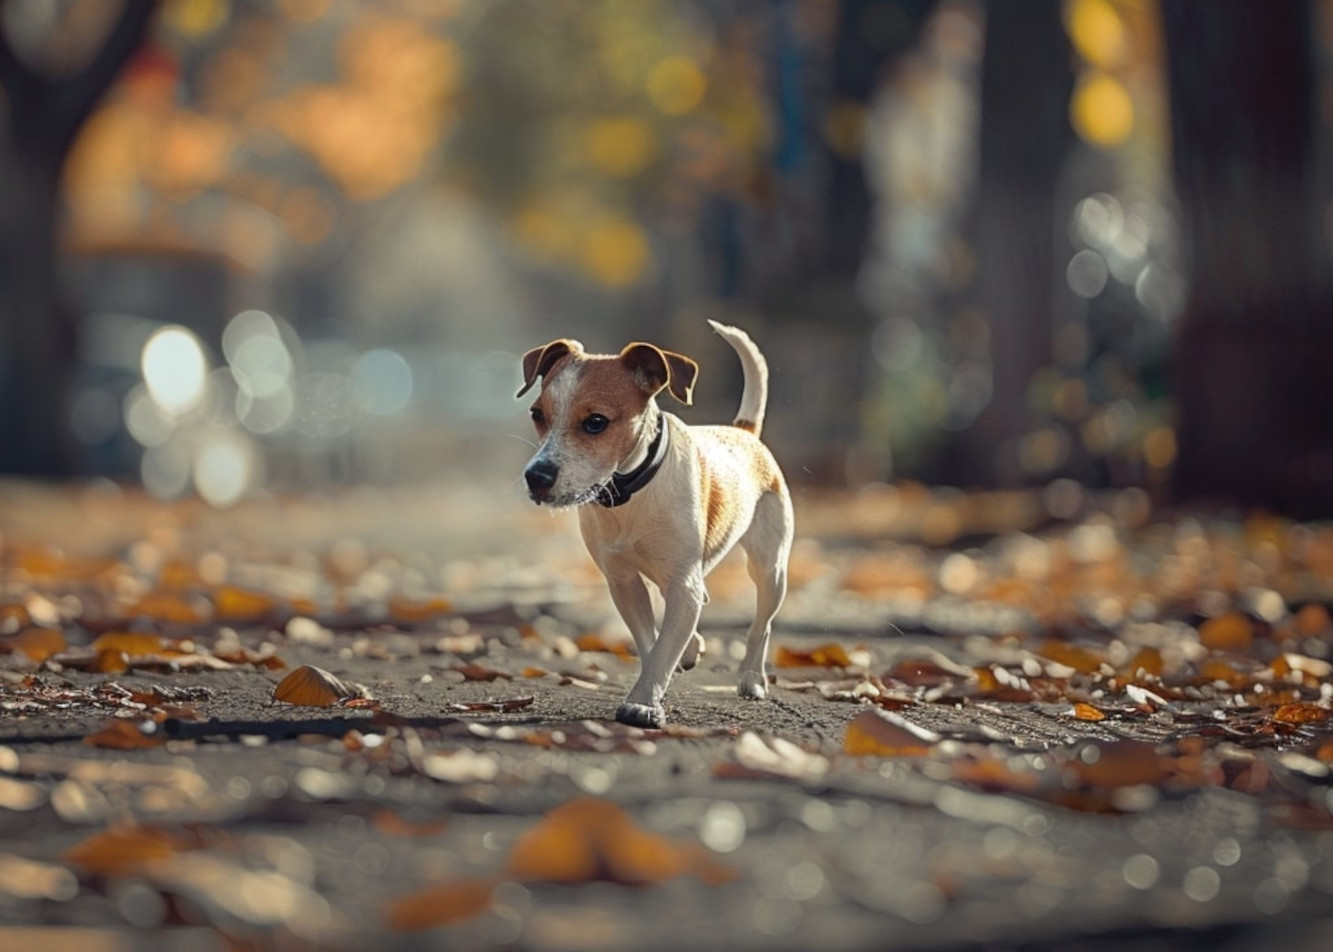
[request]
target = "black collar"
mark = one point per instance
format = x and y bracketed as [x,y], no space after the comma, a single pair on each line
[624,485]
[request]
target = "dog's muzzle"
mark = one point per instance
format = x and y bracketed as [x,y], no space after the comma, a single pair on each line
[540,476]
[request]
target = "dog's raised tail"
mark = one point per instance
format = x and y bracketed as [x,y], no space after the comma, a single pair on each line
[754,395]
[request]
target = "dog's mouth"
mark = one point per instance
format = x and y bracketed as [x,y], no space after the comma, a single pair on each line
[567,500]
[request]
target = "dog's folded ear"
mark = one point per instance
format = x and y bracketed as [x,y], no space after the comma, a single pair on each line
[654,368]
[539,360]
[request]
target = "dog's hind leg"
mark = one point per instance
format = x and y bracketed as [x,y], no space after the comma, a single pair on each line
[767,545]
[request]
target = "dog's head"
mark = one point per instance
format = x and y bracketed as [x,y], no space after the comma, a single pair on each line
[592,413]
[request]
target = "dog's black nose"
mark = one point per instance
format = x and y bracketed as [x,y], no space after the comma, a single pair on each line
[541,477]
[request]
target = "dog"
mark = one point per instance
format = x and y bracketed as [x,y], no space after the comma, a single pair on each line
[661,500]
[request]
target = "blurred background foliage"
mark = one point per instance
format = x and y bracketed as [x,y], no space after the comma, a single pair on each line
[285,243]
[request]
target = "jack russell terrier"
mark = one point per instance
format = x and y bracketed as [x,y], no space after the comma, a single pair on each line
[661,500]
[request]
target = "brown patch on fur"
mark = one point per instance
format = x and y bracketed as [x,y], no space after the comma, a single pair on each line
[746,425]
[717,513]
[604,387]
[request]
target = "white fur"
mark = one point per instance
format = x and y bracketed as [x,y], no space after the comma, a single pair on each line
[659,534]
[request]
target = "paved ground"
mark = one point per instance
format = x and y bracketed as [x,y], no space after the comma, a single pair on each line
[989,727]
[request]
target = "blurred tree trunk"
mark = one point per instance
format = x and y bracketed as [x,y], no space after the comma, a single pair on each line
[40,116]
[1254,390]
[1023,141]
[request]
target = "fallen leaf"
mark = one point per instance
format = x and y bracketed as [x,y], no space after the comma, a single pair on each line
[1228,632]
[1086,712]
[592,642]
[921,673]
[237,604]
[879,733]
[123,735]
[23,878]
[477,672]
[590,840]
[1300,714]
[1147,660]
[387,821]
[831,655]
[1079,658]
[772,757]
[163,606]
[440,905]
[533,672]
[1122,763]
[124,850]
[36,644]
[415,610]
[309,686]
[500,706]
[136,644]
[1313,619]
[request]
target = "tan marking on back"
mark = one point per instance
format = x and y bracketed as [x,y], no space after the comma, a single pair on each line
[746,425]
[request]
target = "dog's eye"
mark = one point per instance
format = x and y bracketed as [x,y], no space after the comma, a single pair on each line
[595,423]
[537,416]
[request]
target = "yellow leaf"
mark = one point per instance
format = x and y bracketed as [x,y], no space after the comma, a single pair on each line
[236,604]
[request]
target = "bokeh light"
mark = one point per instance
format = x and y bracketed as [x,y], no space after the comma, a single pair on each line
[175,369]
[382,382]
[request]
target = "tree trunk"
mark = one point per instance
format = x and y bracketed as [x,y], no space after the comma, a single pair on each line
[1023,141]
[1254,391]
[40,116]
[37,343]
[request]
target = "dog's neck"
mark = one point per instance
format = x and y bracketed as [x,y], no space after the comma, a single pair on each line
[641,468]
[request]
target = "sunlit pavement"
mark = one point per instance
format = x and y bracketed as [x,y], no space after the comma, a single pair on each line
[1045,720]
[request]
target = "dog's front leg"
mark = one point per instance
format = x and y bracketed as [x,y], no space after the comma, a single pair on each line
[630,595]
[684,601]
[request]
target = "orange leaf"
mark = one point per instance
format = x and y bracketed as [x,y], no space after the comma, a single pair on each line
[531,672]
[1086,712]
[123,735]
[309,686]
[876,733]
[236,604]
[412,610]
[1300,714]
[477,672]
[1230,632]
[917,672]
[590,839]
[386,821]
[1122,763]
[592,642]
[37,644]
[124,851]
[1148,660]
[135,644]
[831,655]
[1313,619]
[177,609]
[111,662]
[1071,656]
[439,905]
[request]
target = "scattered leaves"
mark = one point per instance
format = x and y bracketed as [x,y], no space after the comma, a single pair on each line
[498,706]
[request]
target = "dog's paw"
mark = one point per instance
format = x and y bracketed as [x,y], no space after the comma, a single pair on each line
[641,715]
[694,650]
[752,686]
